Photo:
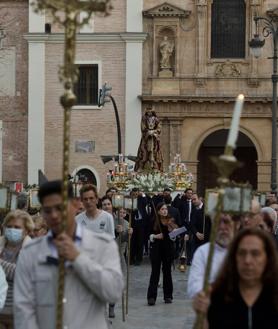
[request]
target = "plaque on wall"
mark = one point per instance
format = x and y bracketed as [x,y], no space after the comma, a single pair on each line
[84,146]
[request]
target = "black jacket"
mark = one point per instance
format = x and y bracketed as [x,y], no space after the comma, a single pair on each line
[140,216]
[197,223]
[175,214]
[237,315]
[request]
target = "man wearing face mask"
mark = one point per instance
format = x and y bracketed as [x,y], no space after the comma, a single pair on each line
[17,226]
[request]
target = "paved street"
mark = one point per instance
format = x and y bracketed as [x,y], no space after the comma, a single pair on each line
[161,316]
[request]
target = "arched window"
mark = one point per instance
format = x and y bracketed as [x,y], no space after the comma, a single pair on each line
[228,29]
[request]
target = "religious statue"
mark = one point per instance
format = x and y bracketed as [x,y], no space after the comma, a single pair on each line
[166,50]
[149,157]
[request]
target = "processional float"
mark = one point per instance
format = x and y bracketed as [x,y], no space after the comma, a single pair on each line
[148,177]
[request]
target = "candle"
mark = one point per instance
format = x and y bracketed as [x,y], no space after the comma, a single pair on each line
[233,132]
[121,158]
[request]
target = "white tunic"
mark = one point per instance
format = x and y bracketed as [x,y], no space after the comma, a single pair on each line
[198,268]
[104,222]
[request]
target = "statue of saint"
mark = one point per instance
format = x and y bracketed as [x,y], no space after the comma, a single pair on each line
[149,155]
[166,50]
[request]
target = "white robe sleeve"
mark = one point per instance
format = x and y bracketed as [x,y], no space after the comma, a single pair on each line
[3,288]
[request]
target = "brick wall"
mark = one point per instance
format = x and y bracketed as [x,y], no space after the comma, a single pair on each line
[97,125]
[13,103]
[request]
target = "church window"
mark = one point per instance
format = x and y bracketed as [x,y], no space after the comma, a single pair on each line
[87,86]
[228,24]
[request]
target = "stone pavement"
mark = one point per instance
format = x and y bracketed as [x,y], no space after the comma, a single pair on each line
[178,315]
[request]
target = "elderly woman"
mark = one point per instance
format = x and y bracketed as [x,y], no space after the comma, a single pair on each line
[245,294]
[40,226]
[17,226]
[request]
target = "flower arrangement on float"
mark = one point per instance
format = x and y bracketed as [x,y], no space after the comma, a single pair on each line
[151,182]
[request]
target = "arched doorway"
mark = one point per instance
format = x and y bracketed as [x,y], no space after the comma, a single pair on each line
[214,145]
[87,175]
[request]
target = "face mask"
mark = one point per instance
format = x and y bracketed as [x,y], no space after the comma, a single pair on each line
[14,235]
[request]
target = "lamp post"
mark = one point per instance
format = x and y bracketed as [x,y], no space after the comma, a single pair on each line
[269,27]
[105,97]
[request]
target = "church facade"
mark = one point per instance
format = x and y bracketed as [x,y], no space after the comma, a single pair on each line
[187,59]
[209,64]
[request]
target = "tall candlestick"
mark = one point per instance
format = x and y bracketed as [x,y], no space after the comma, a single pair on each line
[233,132]
[121,158]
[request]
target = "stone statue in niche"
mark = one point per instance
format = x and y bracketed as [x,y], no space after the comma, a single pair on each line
[166,49]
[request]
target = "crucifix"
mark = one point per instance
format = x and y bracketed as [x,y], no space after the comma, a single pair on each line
[67,14]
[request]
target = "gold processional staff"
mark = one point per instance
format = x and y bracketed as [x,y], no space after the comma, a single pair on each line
[67,14]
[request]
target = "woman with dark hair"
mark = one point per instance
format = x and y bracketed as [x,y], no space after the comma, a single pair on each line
[245,294]
[161,253]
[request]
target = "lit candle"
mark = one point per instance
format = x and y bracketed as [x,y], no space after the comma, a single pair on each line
[233,132]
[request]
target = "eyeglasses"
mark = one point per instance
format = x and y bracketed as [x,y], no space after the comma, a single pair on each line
[48,210]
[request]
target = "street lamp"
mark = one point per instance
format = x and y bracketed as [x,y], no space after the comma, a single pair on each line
[270,27]
[105,97]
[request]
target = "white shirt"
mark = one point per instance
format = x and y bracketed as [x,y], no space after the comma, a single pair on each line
[104,222]
[198,268]
[3,288]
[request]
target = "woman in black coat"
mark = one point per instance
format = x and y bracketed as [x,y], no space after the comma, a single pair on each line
[161,253]
[245,294]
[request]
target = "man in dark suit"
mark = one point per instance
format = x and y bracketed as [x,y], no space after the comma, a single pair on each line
[172,211]
[200,224]
[184,204]
[140,224]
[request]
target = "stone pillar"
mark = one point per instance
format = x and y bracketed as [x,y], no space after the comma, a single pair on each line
[201,38]
[134,55]
[36,96]
[264,175]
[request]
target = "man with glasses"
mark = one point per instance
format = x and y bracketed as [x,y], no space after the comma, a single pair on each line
[224,237]
[93,271]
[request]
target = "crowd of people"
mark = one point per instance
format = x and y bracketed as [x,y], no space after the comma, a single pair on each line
[95,246]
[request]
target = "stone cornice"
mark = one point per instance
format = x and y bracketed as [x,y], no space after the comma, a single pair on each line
[166,10]
[201,99]
[87,37]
